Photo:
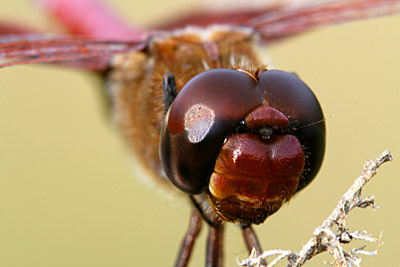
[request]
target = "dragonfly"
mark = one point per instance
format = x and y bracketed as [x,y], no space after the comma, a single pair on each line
[119,54]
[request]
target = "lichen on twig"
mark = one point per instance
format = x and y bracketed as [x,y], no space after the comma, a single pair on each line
[327,239]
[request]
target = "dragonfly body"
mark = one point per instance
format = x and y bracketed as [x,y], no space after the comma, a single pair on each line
[136,86]
[135,74]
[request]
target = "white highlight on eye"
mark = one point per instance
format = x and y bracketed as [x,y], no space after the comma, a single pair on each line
[198,121]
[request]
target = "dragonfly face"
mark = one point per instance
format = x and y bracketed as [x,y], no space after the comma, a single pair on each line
[259,126]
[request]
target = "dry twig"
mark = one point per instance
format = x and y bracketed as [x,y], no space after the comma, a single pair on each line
[324,237]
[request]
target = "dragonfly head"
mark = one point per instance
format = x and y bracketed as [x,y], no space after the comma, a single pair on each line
[248,141]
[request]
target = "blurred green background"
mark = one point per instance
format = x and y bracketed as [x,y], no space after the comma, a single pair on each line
[68,195]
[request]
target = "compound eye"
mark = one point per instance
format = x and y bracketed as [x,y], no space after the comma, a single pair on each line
[203,113]
[285,92]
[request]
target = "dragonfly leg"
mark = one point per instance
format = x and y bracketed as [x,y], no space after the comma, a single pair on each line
[251,239]
[214,256]
[195,224]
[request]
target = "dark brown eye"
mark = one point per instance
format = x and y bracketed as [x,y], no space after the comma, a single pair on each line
[287,93]
[202,115]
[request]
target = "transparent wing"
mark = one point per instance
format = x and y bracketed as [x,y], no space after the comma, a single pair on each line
[232,15]
[85,52]
[279,19]
[290,21]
